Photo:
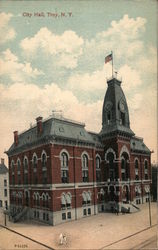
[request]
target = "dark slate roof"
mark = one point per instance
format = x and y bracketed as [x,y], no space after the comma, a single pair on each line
[116,128]
[54,128]
[137,145]
[3,169]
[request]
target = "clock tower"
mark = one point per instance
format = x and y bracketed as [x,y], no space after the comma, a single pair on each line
[116,136]
[115,114]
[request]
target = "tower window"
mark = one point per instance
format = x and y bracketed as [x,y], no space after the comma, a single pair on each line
[122,118]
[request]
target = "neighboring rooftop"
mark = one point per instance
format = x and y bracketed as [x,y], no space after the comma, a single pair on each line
[3,168]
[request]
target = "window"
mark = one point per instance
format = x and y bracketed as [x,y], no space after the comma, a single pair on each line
[64,168]
[34,163]
[44,168]
[86,198]
[84,211]
[66,201]
[98,170]
[1,203]
[69,215]
[12,166]
[44,160]
[136,170]
[25,170]
[85,168]
[109,116]
[63,216]
[5,192]
[122,118]
[112,172]
[18,165]
[146,169]
[5,183]
[89,211]
[125,167]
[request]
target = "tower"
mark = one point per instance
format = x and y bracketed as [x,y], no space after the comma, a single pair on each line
[115,136]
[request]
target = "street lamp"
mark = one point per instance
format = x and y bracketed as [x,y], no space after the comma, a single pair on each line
[149,208]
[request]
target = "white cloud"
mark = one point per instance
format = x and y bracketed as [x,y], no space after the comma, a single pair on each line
[6,32]
[67,46]
[123,37]
[130,77]
[21,103]
[10,66]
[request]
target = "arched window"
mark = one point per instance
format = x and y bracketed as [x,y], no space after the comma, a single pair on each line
[44,167]
[64,168]
[34,169]
[146,169]
[44,160]
[111,164]
[86,198]
[136,169]
[125,172]
[18,165]
[34,162]
[12,172]
[25,162]
[98,170]
[66,201]
[85,168]
[19,171]
[12,166]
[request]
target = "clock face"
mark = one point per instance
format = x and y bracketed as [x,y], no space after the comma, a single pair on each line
[122,106]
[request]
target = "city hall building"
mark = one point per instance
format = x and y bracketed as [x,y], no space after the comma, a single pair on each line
[60,172]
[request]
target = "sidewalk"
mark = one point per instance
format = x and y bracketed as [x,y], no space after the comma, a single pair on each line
[93,232]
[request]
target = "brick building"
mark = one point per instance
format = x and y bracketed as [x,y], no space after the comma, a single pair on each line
[60,172]
[4,185]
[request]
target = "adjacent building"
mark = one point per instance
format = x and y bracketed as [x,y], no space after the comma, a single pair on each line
[58,171]
[4,186]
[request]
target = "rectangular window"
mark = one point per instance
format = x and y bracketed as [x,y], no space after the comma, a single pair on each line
[47,217]
[84,212]
[5,192]
[34,214]
[85,175]
[64,176]
[5,183]
[6,204]
[37,214]
[44,216]
[1,203]
[63,216]
[69,215]
[89,211]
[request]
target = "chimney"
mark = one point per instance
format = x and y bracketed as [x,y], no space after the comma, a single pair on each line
[2,161]
[39,125]
[16,137]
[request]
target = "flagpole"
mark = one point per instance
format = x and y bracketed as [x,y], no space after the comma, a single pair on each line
[112,64]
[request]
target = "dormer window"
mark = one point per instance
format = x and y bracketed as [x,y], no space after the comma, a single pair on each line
[109,116]
[122,118]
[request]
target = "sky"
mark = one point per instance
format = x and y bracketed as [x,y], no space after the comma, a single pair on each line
[52,58]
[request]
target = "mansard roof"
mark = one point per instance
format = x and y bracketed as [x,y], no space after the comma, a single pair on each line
[138,146]
[54,129]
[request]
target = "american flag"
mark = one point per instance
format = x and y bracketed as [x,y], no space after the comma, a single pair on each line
[108,58]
